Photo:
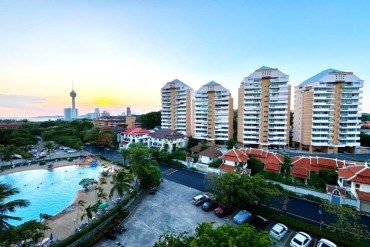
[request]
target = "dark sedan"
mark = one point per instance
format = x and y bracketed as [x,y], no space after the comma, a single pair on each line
[223,210]
[210,205]
[259,222]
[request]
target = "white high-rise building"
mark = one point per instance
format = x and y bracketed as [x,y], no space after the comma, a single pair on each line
[176,109]
[213,113]
[264,109]
[327,112]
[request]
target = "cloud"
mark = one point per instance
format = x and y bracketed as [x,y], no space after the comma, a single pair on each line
[20,101]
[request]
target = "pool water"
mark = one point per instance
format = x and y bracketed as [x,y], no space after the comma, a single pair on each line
[48,191]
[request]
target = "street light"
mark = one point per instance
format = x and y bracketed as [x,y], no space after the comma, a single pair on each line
[74,224]
[320,213]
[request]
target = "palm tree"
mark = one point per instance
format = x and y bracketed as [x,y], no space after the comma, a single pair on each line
[100,194]
[50,148]
[80,207]
[89,210]
[7,191]
[125,153]
[9,151]
[121,183]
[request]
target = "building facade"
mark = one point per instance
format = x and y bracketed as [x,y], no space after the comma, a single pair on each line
[264,109]
[326,112]
[213,113]
[177,107]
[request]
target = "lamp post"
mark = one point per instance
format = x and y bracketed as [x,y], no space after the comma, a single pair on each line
[320,213]
[74,224]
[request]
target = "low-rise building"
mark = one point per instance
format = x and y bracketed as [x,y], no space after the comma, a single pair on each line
[167,140]
[133,135]
[233,159]
[356,181]
[208,155]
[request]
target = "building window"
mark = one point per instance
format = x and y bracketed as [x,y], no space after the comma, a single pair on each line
[357,186]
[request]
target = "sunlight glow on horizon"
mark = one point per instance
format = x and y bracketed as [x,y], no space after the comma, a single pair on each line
[121,54]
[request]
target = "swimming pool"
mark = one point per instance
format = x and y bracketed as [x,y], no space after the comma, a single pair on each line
[48,191]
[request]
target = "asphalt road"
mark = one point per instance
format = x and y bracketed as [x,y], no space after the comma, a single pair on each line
[301,209]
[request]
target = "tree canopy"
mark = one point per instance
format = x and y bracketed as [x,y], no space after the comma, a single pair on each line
[226,235]
[150,120]
[241,190]
[146,170]
[7,206]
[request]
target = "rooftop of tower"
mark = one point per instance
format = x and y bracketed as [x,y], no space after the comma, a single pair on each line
[319,76]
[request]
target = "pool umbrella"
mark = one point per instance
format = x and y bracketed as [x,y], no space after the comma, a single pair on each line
[103,206]
[51,237]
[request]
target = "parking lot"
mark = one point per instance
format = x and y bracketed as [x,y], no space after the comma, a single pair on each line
[171,209]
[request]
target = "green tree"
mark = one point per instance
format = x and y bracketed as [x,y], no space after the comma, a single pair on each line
[29,231]
[285,166]
[192,142]
[89,211]
[255,165]
[86,183]
[235,124]
[49,148]
[125,154]
[145,169]
[226,235]
[230,144]
[80,207]
[121,181]
[346,222]
[9,151]
[365,117]
[240,190]
[6,207]
[365,140]
[150,120]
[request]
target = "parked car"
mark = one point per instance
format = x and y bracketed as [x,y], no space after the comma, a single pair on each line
[71,150]
[200,199]
[110,235]
[278,231]
[325,243]
[259,222]
[16,156]
[209,205]
[301,239]
[223,210]
[242,217]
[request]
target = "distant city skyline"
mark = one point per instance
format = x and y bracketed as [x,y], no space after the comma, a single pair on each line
[121,54]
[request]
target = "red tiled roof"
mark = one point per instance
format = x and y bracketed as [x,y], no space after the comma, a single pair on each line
[358,174]
[235,155]
[364,196]
[136,131]
[124,142]
[272,167]
[227,167]
[211,152]
[331,188]
[315,164]
[300,172]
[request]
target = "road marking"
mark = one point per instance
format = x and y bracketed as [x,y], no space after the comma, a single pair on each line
[285,204]
[288,238]
[314,244]
[170,171]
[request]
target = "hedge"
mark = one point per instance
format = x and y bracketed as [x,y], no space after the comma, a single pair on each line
[292,222]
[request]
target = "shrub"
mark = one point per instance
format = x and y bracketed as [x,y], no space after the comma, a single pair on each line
[216,163]
[70,159]
[42,163]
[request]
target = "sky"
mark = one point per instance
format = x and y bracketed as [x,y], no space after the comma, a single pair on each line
[121,53]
